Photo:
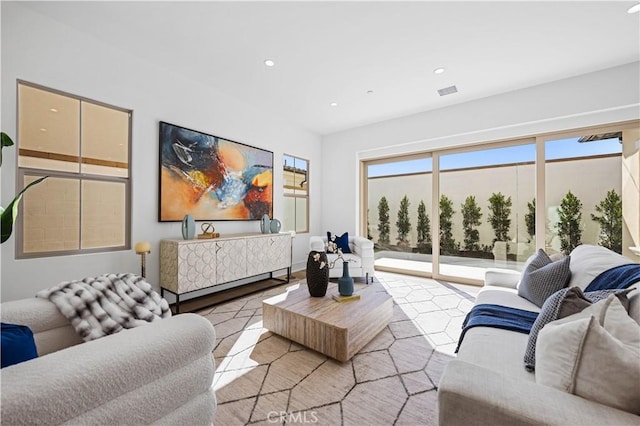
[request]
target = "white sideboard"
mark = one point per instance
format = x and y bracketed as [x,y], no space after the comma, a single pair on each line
[190,265]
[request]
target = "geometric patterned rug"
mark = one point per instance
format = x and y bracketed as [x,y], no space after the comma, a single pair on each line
[264,379]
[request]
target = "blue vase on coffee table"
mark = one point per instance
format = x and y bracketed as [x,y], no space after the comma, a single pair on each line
[345,282]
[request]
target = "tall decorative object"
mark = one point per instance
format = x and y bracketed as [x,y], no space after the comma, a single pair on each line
[317,273]
[143,248]
[275,226]
[265,224]
[188,227]
[345,282]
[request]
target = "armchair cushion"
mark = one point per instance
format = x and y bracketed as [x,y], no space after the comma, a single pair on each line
[354,260]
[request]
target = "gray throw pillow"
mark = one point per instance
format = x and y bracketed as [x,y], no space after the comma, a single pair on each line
[542,277]
[565,302]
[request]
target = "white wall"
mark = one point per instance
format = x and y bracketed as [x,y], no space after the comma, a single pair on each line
[40,50]
[601,97]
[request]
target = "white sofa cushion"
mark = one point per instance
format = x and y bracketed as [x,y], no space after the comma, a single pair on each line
[588,261]
[497,295]
[493,348]
[497,350]
[593,354]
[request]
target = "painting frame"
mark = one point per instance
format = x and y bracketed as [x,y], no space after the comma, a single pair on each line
[211,178]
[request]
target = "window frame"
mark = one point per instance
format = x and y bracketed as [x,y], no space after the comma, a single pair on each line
[296,196]
[78,176]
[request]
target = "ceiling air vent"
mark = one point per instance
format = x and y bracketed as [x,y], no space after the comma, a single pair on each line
[447,90]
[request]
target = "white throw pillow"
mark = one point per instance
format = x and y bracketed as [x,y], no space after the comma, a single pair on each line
[593,354]
[612,315]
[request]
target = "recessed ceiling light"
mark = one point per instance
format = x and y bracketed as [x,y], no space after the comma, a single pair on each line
[42,129]
[334,104]
[269,62]
[53,110]
[369,92]
[438,70]
[634,8]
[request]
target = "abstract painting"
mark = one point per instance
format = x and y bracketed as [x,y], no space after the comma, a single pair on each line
[212,178]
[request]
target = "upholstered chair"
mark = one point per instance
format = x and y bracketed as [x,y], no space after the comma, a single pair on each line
[160,373]
[360,259]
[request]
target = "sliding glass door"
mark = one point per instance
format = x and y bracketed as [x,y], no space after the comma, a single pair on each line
[398,213]
[486,207]
[583,192]
[454,213]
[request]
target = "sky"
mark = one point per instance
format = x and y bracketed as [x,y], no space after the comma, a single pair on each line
[556,149]
[295,162]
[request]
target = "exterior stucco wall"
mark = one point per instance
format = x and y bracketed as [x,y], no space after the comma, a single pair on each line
[588,179]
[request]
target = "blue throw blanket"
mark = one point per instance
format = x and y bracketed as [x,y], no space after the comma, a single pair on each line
[497,316]
[619,277]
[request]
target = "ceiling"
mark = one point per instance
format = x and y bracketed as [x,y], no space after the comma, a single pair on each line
[335,51]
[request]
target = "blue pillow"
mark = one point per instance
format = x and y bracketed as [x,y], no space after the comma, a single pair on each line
[342,242]
[16,344]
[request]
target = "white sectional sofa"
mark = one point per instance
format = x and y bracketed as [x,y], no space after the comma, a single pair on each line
[160,373]
[487,383]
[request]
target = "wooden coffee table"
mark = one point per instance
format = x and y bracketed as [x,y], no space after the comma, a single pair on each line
[338,330]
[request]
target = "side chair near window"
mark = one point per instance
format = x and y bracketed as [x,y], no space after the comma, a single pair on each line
[160,373]
[360,258]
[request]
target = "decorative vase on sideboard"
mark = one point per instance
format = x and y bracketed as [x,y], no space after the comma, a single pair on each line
[275,226]
[188,227]
[265,224]
[317,273]
[345,282]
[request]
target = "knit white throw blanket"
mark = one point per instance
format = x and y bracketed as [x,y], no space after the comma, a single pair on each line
[104,305]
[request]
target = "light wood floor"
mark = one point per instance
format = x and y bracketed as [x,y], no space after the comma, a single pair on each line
[262,378]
